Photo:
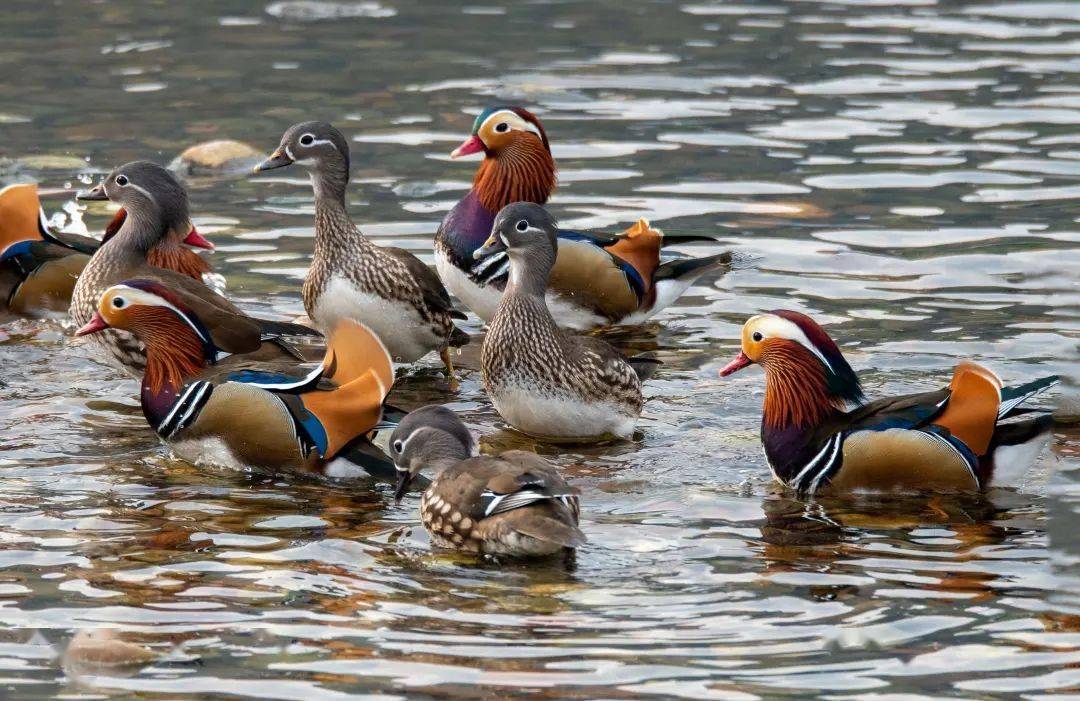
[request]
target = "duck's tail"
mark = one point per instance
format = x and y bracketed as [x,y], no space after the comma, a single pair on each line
[977,403]
[357,362]
[20,215]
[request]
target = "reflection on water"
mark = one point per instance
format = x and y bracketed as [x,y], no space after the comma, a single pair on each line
[904,171]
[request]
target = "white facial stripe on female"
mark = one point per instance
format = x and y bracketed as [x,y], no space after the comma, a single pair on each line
[772,326]
[405,444]
[133,295]
[513,119]
[130,183]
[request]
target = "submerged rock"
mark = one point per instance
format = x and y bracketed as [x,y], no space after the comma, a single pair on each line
[216,158]
[103,647]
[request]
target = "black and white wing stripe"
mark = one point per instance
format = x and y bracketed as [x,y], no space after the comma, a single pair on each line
[822,465]
[185,409]
[494,503]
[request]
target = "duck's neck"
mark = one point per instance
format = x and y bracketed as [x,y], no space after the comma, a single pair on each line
[334,228]
[174,354]
[797,393]
[523,171]
[530,271]
[139,232]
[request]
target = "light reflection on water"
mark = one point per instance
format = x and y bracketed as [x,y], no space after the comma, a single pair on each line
[904,171]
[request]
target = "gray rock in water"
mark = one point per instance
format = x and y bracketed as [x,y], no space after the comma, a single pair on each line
[216,158]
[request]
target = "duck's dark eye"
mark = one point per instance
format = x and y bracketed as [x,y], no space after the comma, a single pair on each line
[307,140]
[502,127]
[522,225]
[398,446]
[757,337]
[118,302]
[121,180]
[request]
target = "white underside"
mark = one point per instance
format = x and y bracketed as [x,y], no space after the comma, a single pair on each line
[399,326]
[562,418]
[1012,462]
[484,301]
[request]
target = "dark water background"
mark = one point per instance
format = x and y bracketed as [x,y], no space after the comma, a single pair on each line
[906,171]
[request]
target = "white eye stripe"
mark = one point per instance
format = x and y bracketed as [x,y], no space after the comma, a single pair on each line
[513,119]
[772,326]
[320,142]
[134,295]
[143,190]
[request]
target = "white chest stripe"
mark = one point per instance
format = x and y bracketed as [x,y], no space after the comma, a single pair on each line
[837,442]
[817,458]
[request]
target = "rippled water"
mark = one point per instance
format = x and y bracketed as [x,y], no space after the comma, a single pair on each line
[906,171]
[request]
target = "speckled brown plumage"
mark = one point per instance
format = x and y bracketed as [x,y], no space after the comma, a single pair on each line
[515,504]
[389,289]
[544,381]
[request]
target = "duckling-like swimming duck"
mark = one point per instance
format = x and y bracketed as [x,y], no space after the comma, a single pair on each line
[820,433]
[597,280]
[544,381]
[388,289]
[515,504]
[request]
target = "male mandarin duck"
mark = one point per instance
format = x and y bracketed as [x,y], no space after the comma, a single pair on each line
[596,281]
[211,407]
[389,289]
[545,381]
[820,433]
[515,504]
[156,203]
[38,267]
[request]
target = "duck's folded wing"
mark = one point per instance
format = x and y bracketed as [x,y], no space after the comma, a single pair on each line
[431,287]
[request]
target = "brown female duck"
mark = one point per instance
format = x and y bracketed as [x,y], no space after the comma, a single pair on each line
[515,504]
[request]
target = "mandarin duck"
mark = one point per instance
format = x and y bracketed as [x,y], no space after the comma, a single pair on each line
[38,267]
[515,504]
[596,281]
[820,433]
[389,289]
[173,252]
[545,381]
[156,203]
[211,407]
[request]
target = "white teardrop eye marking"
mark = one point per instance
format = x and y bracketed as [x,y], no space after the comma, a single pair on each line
[757,336]
[398,446]
[502,237]
[121,180]
[307,139]
[522,225]
[502,127]
[119,302]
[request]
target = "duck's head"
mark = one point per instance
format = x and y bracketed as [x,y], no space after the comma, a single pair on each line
[806,373]
[523,230]
[498,129]
[318,146]
[149,192]
[147,309]
[430,437]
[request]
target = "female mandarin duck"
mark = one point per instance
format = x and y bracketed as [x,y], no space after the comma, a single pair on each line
[596,281]
[38,267]
[388,289]
[952,439]
[213,407]
[544,381]
[156,203]
[515,505]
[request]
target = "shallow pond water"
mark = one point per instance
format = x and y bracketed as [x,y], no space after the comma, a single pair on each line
[905,171]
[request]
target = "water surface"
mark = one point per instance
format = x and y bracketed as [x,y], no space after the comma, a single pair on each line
[904,171]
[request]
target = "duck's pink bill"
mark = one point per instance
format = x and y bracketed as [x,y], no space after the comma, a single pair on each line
[194,238]
[93,326]
[473,144]
[739,363]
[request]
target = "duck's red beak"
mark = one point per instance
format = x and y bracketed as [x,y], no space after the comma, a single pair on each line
[741,361]
[93,326]
[473,144]
[194,238]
